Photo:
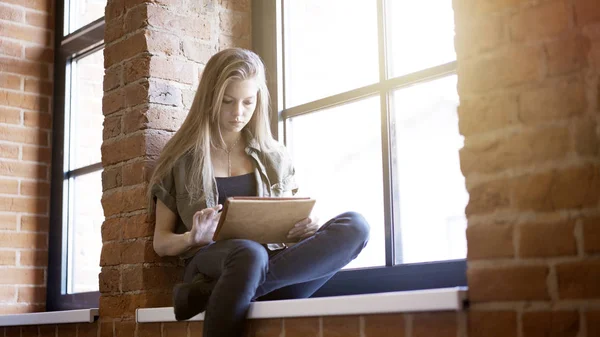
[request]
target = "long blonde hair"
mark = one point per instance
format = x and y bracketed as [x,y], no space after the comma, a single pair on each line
[200,128]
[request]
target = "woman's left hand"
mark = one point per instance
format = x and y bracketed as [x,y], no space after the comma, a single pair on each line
[304,229]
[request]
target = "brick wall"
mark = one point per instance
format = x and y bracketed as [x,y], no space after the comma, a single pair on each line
[528,83]
[26,57]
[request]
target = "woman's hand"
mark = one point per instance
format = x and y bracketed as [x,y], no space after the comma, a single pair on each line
[204,226]
[303,229]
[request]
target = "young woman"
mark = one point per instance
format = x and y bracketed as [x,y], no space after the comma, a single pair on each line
[225,148]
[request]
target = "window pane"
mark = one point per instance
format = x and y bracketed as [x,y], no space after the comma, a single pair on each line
[83,12]
[432,193]
[337,155]
[86,110]
[330,47]
[84,227]
[420,35]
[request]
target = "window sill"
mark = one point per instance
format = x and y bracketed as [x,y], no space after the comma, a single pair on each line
[50,317]
[445,299]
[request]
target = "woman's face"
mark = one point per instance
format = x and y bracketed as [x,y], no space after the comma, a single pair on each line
[238,105]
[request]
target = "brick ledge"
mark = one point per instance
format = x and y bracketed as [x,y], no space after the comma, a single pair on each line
[50,317]
[444,299]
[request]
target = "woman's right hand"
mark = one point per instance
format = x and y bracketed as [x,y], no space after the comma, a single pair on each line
[204,225]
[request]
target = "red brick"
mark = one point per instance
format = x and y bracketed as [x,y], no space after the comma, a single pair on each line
[112,229]
[515,283]
[23,240]
[30,331]
[137,226]
[22,67]
[233,24]
[22,276]
[9,151]
[34,258]
[149,143]
[490,155]
[150,278]
[26,205]
[547,239]
[125,49]
[586,140]
[490,241]
[32,295]
[304,327]
[9,116]
[138,251]
[8,258]
[266,327]
[136,68]
[24,135]
[113,30]
[8,221]
[111,254]
[110,280]
[40,54]
[112,127]
[197,51]
[50,331]
[8,294]
[38,189]
[39,87]
[586,12]
[488,197]
[338,326]
[113,101]
[13,14]
[107,328]
[8,81]
[113,78]
[236,5]
[87,329]
[591,235]
[124,305]
[163,43]
[592,318]
[111,178]
[556,323]
[125,328]
[41,5]
[11,48]
[153,117]
[439,324]
[9,186]
[26,33]
[567,55]
[579,280]
[42,20]
[136,93]
[134,198]
[492,324]
[136,173]
[547,19]
[574,187]
[503,69]
[25,101]
[25,170]
[555,101]
[37,154]
[138,17]
[178,329]
[154,329]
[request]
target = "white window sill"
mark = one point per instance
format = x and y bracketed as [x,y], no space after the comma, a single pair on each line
[445,299]
[50,317]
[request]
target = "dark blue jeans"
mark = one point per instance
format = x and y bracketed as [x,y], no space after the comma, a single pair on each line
[247,273]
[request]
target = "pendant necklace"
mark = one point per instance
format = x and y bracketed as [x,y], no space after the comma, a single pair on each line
[229,156]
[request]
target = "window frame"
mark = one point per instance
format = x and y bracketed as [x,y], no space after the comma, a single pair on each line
[69,47]
[268,41]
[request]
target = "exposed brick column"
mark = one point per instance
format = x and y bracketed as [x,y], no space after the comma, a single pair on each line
[26,62]
[528,83]
[155,51]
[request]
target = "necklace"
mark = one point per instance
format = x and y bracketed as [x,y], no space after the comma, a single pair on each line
[228,151]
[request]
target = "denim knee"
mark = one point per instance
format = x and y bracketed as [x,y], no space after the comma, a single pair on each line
[248,254]
[357,226]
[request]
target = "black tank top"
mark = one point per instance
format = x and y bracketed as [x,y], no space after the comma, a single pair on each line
[238,186]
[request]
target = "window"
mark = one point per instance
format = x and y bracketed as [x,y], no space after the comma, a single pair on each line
[76,211]
[365,98]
